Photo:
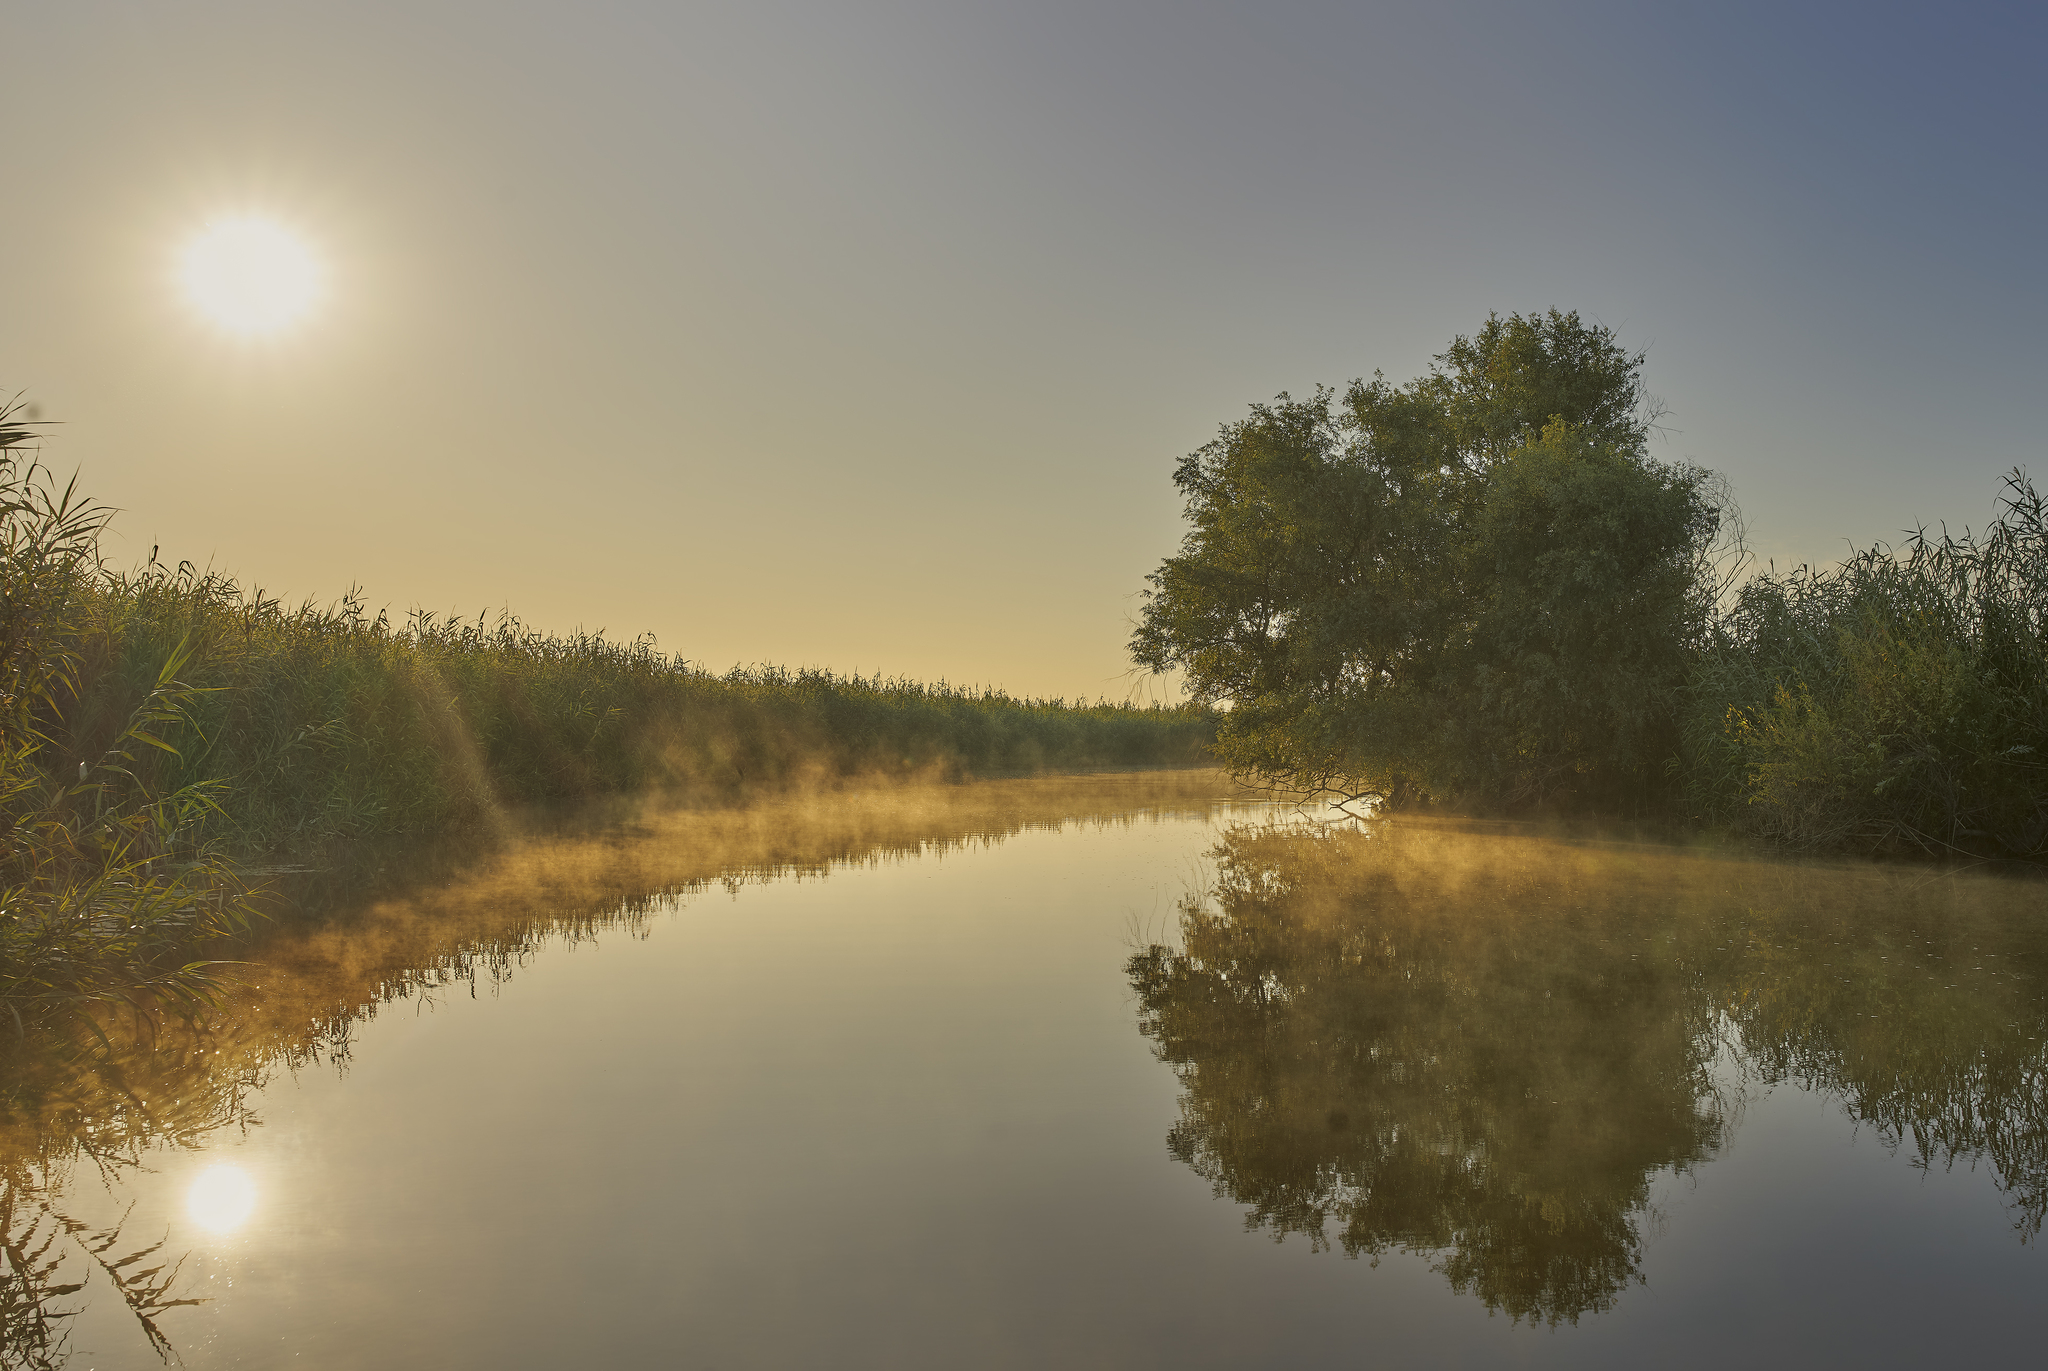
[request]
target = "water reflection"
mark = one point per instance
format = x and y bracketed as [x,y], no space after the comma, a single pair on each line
[50,1256]
[1479,1045]
[87,1112]
[221,1199]
[1486,1047]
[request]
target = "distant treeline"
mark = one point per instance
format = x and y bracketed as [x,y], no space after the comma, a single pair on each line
[1477,591]
[161,730]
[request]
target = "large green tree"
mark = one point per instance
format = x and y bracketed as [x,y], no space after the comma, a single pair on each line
[1476,587]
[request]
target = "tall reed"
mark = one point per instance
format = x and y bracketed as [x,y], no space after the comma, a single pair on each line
[106,874]
[322,723]
[218,714]
[1896,701]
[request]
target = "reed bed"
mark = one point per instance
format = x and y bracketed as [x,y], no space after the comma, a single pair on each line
[1897,701]
[165,733]
[325,723]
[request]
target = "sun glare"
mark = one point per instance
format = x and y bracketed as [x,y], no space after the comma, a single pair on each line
[251,276]
[222,1198]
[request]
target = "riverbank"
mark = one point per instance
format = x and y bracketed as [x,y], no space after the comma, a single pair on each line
[318,723]
[168,734]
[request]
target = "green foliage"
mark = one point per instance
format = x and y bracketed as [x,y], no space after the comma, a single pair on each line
[104,876]
[156,725]
[277,729]
[1474,588]
[330,723]
[1898,700]
[1590,561]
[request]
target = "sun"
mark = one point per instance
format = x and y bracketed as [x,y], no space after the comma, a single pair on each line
[251,276]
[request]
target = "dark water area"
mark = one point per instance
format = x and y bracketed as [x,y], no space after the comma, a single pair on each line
[1109,1071]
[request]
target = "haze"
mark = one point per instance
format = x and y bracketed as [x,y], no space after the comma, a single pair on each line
[867,336]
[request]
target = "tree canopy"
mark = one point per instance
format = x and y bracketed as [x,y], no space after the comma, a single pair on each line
[1474,587]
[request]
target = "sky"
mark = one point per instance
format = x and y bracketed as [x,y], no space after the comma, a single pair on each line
[867,335]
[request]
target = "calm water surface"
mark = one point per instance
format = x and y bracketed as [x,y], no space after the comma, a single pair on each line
[1101,1072]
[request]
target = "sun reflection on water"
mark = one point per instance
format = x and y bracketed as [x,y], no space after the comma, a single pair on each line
[221,1198]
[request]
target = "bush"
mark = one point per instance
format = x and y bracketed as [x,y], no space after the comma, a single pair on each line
[1897,701]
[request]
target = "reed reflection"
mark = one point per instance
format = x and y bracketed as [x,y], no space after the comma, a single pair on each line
[101,1099]
[1486,1047]
[49,1258]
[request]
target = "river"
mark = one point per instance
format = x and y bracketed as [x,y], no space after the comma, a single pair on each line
[1113,1071]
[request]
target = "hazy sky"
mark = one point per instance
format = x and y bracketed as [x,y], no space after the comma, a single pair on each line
[867,335]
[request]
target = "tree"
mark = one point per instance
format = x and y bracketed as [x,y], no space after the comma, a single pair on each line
[1475,587]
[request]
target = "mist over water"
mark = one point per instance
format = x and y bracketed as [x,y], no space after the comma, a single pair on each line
[1099,1071]
[1487,1048]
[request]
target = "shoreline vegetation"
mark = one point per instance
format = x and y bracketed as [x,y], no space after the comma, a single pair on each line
[1473,593]
[168,737]
[1478,593]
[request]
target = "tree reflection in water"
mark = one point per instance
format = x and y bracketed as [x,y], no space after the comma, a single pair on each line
[1485,1047]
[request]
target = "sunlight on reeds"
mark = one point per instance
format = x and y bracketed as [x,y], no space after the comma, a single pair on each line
[161,726]
[108,876]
